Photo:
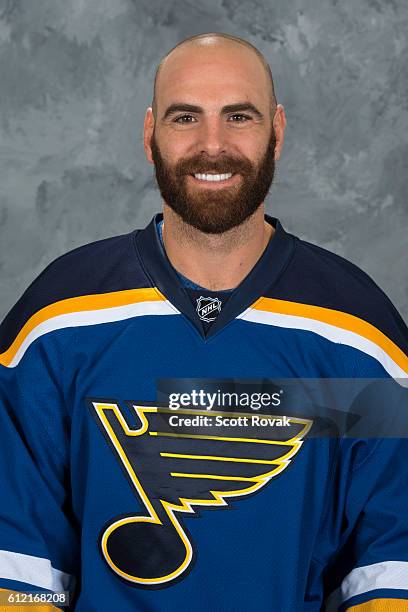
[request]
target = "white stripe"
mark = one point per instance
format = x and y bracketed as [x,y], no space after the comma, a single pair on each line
[385,575]
[93,317]
[330,332]
[33,570]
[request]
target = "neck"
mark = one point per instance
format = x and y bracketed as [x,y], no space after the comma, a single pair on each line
[215,261]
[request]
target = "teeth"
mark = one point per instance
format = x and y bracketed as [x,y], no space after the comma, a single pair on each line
[213,177]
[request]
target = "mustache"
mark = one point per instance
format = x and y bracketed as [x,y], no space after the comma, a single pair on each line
[198,164]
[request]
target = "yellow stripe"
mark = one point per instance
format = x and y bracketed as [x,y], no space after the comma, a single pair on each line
[203,437]
[82,303]
[216,477]
[337,319]
[228,459]
[381,605]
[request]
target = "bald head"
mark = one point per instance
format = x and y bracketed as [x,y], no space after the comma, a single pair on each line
[211,42]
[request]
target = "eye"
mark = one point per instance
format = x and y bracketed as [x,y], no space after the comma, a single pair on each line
[240,118]
[184,119]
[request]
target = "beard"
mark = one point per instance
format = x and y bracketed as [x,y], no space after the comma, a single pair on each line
[215,211]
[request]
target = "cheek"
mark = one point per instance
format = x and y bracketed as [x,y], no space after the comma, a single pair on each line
[177,144]
[251,146]
[172,153]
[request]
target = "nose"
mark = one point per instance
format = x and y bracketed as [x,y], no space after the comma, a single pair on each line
[212,138]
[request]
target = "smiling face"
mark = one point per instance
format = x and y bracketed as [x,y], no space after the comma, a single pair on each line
[212,141]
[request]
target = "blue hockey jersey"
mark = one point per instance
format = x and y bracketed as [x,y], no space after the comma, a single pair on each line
[127,502]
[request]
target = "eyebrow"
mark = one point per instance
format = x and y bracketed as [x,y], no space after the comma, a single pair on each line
[178,107]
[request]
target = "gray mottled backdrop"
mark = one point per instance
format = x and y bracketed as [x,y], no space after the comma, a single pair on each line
[75,80]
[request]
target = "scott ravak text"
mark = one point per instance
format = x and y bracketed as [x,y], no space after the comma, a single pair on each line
[221,421]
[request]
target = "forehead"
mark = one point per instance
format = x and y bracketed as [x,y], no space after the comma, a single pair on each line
[212,75]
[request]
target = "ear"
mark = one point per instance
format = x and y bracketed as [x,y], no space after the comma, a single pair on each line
[148,128]
[279,124]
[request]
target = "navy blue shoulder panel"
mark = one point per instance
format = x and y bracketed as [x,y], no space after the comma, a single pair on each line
[103,266]
[290,269]
[319,277]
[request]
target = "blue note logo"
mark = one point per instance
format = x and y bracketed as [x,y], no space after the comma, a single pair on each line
[208,308]
[176,473]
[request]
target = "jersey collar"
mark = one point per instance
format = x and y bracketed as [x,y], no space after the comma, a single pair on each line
[263,275]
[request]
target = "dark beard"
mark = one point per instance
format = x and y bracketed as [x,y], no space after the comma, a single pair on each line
[209,211]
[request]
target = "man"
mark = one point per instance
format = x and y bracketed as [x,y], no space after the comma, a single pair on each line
[125,478]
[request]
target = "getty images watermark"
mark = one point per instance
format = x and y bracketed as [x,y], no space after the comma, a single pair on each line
[345,407]
[225,400]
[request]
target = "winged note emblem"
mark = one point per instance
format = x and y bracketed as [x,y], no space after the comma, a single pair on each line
[175,470]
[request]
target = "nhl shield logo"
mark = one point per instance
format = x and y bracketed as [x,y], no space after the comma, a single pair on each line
[208,308]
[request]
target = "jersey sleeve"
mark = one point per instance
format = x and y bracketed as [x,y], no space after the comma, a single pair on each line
[371,568]
[368,570]
[39,548]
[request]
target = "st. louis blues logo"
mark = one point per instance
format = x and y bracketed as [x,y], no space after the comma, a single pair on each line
[208,308]
[173,470]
